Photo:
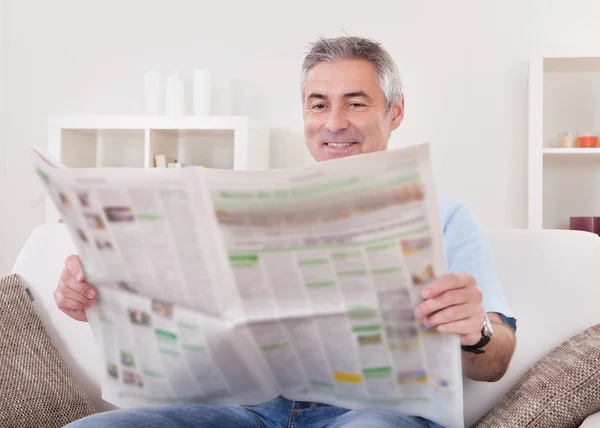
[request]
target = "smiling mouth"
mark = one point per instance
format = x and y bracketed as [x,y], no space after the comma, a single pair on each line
[340,145]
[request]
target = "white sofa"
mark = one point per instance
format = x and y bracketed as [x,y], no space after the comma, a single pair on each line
[551,279]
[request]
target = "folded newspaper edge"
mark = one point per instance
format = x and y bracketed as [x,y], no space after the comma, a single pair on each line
[221,286]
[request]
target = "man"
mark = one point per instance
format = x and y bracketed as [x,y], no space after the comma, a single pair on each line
[353,100]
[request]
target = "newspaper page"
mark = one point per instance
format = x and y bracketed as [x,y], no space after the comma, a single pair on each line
[221,286]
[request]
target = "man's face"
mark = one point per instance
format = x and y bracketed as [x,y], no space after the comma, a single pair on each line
[345,110]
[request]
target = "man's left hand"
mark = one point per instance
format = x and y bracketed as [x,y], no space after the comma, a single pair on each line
[453,304]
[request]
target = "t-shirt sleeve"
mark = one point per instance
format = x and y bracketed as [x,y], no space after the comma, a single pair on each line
[468,251]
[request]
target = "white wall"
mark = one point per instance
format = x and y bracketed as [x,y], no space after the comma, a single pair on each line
[464,64]
[4,257]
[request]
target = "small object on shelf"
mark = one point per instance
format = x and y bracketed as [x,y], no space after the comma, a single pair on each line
[201,92]
[162,161]
[176,164]
[585,223]
[174,94]
[587,139]
[152,93]
[567,140]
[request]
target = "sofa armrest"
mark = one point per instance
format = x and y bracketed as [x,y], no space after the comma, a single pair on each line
[39,265]
[592,421]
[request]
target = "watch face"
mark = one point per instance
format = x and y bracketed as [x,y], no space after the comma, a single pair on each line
[487,325]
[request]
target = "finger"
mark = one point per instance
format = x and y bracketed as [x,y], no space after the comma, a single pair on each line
[72,294]
[64,302]
[76,315]
[73,265]
[467,326]
[447,282]
[449,298]
[452,314]
[82,287]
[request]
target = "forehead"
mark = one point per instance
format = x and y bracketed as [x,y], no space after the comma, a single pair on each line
[339,77]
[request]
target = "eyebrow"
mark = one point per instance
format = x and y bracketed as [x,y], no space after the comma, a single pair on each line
[317,96]
[359,93]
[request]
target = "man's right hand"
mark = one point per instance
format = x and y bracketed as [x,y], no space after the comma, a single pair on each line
[73,295]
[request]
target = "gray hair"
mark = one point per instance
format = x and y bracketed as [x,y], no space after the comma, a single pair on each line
[356,48]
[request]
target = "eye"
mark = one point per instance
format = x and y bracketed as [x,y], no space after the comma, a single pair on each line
[319,106]
[357,105]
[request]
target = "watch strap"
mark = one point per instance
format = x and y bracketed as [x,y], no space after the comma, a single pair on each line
[476,348]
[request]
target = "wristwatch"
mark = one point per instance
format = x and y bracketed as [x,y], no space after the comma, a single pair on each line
[486,336]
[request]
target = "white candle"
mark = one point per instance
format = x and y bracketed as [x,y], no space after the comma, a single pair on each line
[201,92]
[174,94]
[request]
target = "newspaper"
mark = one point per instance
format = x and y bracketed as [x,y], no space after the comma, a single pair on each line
[234,287]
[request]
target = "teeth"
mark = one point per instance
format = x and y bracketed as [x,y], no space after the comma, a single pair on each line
[339,145]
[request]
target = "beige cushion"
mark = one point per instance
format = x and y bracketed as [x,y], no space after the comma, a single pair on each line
[36,387]
[560,390]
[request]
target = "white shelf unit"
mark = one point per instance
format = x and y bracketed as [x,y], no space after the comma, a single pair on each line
[564,96]
[224,142]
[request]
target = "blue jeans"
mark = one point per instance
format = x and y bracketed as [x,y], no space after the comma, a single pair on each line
[279,412]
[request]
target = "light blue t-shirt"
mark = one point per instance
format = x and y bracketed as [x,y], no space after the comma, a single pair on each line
[468,251]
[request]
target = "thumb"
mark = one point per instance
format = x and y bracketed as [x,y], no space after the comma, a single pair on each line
[73,265]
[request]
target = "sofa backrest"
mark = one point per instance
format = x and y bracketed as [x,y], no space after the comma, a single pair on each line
[551,279]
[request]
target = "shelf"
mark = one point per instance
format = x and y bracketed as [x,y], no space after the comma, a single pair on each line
[570,189]
[555,152]
[212,148]
[564,96]
[224,142]
[90,148]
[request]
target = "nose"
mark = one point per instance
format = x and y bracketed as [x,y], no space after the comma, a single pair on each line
[336,121]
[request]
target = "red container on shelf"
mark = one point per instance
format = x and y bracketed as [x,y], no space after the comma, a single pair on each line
[587,224]
[587,140]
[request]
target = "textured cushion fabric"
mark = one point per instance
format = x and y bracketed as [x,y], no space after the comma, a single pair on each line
[561,390]
[36,387]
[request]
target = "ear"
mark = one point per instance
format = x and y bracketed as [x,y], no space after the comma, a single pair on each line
[397,114]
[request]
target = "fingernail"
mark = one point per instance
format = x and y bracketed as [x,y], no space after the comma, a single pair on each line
[418,312]
[425,323]
[90,294]
[79,277]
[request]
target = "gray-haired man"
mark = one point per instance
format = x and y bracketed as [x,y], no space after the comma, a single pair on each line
[352,98]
